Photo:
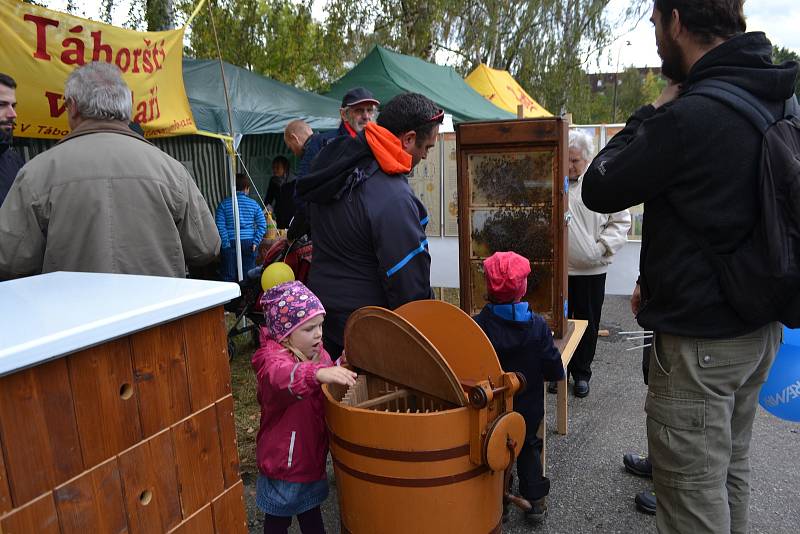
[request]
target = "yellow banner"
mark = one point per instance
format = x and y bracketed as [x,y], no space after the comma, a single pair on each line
[41,47]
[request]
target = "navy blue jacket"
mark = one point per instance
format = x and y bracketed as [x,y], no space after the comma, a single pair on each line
[368,230]
[311,148]
[10,164]
[524,346]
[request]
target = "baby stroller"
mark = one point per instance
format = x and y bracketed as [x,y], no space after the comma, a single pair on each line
[296,254]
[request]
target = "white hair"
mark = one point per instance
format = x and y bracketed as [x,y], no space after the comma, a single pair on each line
[580,140]
[99,92]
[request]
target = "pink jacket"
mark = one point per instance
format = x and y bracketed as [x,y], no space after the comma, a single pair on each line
[292,443]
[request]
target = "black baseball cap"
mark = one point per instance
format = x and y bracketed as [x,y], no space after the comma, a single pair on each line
[357,95]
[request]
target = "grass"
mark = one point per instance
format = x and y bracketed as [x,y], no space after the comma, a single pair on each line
[246,411]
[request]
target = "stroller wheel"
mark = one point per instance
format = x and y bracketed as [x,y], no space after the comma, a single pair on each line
[231,349]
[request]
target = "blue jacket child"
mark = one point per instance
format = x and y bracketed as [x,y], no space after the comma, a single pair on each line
[523,343]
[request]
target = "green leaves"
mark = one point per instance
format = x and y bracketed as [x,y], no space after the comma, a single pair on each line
[276,38]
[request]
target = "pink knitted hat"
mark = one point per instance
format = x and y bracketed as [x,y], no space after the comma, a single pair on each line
[506,276]
[287,306]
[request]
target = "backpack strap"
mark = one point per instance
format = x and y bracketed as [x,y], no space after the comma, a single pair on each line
[791,108]
[736,98]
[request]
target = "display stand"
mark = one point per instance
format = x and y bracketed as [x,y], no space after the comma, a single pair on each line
[512,196]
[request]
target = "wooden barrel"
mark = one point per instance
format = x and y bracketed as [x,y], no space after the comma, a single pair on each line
[409,473]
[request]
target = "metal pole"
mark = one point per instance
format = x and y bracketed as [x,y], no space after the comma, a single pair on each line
[232,151]
[616,76]
[235,198]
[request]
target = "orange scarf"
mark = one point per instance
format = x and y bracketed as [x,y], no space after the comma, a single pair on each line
[387,149]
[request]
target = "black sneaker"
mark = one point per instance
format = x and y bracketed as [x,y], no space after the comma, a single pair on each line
[537,512]
[646,502]
[638,465]
[552,387]
[581,388]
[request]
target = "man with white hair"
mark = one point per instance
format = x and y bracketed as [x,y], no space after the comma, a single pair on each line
[104,199]
[594,238]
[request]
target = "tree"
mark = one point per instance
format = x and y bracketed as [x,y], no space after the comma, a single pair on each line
[779,55]
[412,27]
[545,44]
[636,90]
[276,38]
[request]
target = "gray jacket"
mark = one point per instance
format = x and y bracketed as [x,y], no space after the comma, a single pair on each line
[105,200]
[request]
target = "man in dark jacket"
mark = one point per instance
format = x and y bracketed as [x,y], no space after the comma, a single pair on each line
[694,163]
[359,107]
[305,145]
[10,161]
[367,225]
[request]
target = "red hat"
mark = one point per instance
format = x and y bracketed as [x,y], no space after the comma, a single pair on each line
[506,276]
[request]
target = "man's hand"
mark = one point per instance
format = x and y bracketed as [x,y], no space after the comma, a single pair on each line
[669,94]
[636,299]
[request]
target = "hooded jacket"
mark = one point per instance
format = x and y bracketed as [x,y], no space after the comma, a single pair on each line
[367,226]
[694,163]
[292,443]
[524,344]
[10,164]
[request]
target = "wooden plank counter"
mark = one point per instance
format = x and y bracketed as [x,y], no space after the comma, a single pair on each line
[567,346]
[116,412]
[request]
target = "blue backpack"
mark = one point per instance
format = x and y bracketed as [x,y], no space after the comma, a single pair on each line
[761,278]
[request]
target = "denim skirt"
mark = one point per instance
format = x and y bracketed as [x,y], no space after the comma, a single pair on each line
[286,499]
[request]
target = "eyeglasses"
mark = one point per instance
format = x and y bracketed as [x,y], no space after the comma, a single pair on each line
[437,117]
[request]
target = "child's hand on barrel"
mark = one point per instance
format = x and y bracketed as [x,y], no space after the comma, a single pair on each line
[336,375]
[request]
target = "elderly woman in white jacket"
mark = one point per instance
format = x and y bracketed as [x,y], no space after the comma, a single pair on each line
[594,238]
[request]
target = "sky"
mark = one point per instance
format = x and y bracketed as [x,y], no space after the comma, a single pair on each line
[779,19]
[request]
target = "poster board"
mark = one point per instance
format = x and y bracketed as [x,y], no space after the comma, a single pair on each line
[450,178]
[426,182]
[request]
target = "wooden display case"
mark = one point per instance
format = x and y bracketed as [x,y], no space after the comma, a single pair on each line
[512,196]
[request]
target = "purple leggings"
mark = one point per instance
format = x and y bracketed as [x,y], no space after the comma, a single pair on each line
[310,523]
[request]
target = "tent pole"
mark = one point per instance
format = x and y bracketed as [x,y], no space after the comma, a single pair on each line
[235,200]
[231,149]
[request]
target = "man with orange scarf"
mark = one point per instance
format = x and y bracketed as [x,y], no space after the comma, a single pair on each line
[367,225]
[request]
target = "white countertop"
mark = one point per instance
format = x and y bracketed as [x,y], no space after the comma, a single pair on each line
[50,315]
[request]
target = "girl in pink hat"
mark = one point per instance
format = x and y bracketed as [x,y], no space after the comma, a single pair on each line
[292,443]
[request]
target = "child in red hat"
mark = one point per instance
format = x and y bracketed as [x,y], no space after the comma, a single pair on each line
[523,343]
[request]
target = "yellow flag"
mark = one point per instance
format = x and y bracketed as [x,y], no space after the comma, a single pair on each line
[41,47]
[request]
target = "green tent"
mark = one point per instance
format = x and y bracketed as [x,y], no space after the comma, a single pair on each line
[388,74]
[260,105]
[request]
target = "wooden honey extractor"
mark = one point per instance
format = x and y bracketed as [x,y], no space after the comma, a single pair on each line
[418,445]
